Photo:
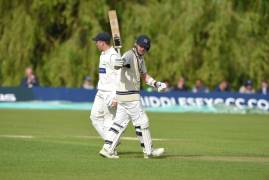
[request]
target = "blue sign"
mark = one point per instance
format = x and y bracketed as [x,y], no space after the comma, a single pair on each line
[64,94]
[170,101]
[188,99]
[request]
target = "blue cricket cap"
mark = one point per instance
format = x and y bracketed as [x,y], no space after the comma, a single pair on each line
[103,36]
[248,83]
[88,78]
[143,41]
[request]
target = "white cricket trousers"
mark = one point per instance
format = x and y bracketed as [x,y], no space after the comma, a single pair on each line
[102,115]
[130,110]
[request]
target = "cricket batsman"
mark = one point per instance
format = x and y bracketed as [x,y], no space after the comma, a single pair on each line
[104,106]
[132,69]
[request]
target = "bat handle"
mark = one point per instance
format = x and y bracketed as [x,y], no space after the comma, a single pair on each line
[118,51]
[117,41]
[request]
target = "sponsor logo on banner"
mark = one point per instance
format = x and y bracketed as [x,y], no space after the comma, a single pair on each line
[241,103]
[7,97]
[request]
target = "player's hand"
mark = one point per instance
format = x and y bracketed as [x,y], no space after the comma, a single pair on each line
[114,104]
[118,63]
[160,86]
[110,100]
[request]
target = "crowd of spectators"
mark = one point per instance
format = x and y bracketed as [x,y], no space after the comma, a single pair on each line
[224,86]
[30,80]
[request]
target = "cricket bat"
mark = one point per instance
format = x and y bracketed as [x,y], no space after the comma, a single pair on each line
[115,31]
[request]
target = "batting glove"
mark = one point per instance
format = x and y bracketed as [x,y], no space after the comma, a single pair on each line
[118,63]
[160,86]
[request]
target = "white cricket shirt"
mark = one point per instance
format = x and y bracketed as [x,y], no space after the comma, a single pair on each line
[108,76]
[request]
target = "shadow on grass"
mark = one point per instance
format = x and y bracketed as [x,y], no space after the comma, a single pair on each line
[136,154]
[174,156]
[132,154]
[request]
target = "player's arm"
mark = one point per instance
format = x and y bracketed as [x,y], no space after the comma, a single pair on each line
[110,100]
[113,60]
[153,83]
[123,61]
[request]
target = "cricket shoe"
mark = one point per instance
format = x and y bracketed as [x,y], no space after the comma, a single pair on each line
[105,153]
[155,153]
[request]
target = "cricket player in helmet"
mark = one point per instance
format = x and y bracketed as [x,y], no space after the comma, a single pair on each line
[128,98]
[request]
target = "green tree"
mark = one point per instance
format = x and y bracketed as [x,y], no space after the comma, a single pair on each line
[197,39]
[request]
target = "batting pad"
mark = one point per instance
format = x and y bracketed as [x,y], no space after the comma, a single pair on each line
[139,135]
[147,140]
[113,136]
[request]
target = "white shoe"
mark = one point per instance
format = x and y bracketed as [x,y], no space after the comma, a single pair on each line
[155,153]
[105,153]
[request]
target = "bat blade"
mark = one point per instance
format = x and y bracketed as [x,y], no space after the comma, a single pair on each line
[113,20]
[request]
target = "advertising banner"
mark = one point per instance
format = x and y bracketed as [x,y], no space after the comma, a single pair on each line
[153,101]
[214,101]
[14,94]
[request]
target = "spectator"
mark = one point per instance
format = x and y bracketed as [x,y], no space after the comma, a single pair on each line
[30,80]
[247,88]
[264,88]
[223,87]
[199,87]
[181,85]
[87,84]
[168,88]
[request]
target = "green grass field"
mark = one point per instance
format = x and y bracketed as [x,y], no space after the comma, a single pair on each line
[39,144]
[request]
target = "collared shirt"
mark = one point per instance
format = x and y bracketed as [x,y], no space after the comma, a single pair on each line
[129,85]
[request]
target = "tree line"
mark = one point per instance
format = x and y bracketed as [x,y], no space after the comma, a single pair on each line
[197,39]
